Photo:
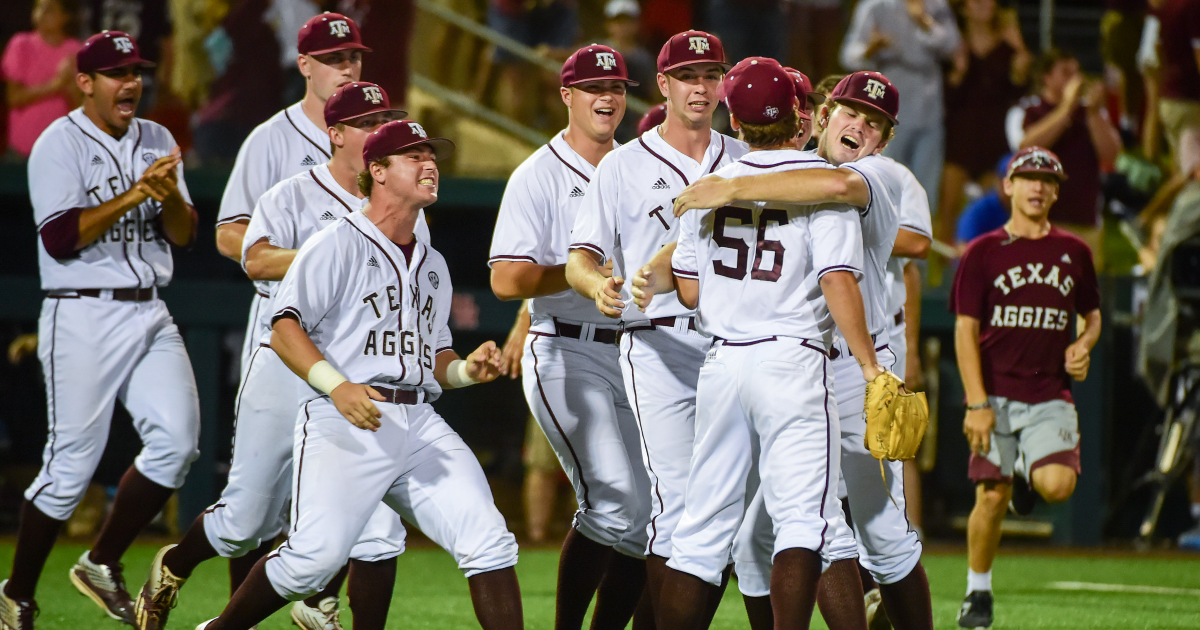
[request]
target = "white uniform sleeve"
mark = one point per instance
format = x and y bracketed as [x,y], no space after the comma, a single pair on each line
[56,181]
[914,206]
[314,283]
[595,224]
[444,340]
[274,219]
[254,172]
[1014,127]
[684,261]
[836,240]
[883,183]
[520,233]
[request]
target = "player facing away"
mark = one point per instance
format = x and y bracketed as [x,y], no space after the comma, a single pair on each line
[362,315]
[769,281]
[570,365]
[626,218]
[1017,294]
[253,506]
[109,200]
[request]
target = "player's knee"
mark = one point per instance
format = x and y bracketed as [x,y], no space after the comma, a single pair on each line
[992,498]
[1055,483]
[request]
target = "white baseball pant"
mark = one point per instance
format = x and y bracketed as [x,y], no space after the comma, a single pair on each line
[254,505]
[778,391]
[93,352]
[898,342]
[254,328]
[575,392]
[415,463]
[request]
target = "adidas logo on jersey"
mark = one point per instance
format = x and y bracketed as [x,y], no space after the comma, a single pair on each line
[328,216]
[576,192]
[96,160]
[660,184]
[308,161]
[371,262]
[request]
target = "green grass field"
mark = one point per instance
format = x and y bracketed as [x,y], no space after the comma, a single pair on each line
[431,593]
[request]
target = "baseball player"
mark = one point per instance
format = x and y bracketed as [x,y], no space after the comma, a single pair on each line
[780,276]
[362,315]
[252,508]
[626,218]
[109,199]
[1016,295]
[856,123]
[572,378]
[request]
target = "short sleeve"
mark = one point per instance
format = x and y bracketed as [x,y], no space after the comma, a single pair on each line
[56,182]
[274,219]
[684,262]
[444,340]
[836,240]
[314,283]
[251,177]
[595,224]
[968,295]
[883,178]
[10,62]
[914,206]
[1087,294]
[521,223]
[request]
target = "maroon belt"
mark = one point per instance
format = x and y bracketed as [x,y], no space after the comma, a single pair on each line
[575,331]
[121,295]
[397,396]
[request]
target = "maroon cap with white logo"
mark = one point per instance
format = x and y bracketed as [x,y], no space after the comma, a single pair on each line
[357,99]
[1035,160]
[398,135]
[871,89]
[594,63]
[804,90]
[653,118]
[108,50]
[691,47]
[328,32]
[758,91]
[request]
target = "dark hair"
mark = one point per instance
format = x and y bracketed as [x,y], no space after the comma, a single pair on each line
[366,181]
[780,132]
[1046,62]
[827,84]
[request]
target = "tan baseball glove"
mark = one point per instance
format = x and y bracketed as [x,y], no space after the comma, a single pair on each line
[896,418]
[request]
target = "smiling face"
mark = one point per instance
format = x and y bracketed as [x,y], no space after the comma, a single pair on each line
[111,97]
[348,141]
[596,107]
[1032,194]
[327,72]
[691,92]
[411,177]
[851,131]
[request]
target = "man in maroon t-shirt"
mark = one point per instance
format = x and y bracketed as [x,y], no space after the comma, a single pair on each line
[1016,296]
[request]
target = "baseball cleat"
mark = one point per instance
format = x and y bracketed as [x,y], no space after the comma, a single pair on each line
[16,614]
[105,585]
[976,611]
[158,596]
[323,617]
[877,618]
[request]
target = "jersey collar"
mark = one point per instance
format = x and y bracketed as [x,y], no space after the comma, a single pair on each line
[372,231]
[87,126]
[688,168]
[325,179]
[562,150]
[315,135]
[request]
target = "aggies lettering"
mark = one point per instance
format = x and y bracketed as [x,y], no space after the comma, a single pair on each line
[1025,292]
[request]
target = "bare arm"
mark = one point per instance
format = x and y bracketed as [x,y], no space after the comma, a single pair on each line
[911,244]
[805,186]
[585,275]
[1047,131]
[300,354]
[265,261]
[1078,355]
[482,365]
[63,82]
[1105,137]
[514,347]
[654,278]
[524,280]
[846,305]
[688,290]
[229,239]
[978,424]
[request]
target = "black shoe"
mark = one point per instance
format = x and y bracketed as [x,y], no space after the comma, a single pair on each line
[1023,497]
[976,611]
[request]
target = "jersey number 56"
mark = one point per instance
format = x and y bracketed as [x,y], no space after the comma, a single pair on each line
[746,217]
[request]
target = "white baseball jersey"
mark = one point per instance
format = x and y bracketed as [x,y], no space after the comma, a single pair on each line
[880,221]
[535,221]
[287,144]
[759,264]
[626,214]
[376,317]
[914,217]
[292,211]
[76,165]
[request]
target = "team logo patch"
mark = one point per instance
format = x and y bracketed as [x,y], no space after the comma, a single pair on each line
[373,94]
[339,28]
[148,158]
[371,262]
[123,44]
[875,89]
[328,216]
[418,129]
[576,192]
[698,45]
[661,184]
[96,161]
[433,279]
[606,60]
[771,112]
[308,161]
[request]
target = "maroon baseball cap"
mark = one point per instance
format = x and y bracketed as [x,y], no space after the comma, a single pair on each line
[594,63]
[758,91]
[652,118]
[871,89]
[396,136]
[107,50]
[357,99]
[691,47]
[328,32]
[804,89]
[1035,160]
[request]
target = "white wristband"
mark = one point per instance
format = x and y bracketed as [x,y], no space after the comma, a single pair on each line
[324,377]
[456,374]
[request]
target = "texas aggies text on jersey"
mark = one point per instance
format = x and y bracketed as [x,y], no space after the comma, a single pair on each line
[1024,292]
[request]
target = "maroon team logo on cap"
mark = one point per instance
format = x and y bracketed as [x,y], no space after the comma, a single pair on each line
[690,47]
[399,135]
[329,32]
[355,100]
[594,63]
[109,50]
[1036,160]
[871,89]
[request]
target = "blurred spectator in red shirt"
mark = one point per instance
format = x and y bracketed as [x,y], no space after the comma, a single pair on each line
[39,73]
[1179,78]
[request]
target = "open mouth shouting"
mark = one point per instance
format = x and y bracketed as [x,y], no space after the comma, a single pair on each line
[427,181]
[605,113]
[851,142]
[126,105]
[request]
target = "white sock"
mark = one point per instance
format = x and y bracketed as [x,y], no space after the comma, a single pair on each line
[978,581]
[1196,511]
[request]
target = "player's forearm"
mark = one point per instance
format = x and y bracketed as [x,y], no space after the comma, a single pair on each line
[19,95]
[179,221]
[525,280]
[664,277]
[583,273]
[970,365]
[294,347]
[806,186]
[267,262]
[93,222]
[229,239]
[1090,334]
[442,363]
[688,292]
[846,306]
[911,245]
[1047,131]
[1105,138]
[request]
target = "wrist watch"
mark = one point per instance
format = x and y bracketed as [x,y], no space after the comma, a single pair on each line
[986,404]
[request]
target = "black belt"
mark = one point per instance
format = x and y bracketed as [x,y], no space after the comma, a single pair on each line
[120,295]
[575,331]
[667,322]
[899,317]
[397,396]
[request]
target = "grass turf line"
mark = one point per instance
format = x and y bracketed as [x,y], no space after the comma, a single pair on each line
[431,592]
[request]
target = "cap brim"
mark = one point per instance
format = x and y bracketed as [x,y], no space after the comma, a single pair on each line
[136,61]
[1061,177]
[349,46]
[724,66]
[400,114]
[442,148]
[630,82]
[816,97]
[872,106]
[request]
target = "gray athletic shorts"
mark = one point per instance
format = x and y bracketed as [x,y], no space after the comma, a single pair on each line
[1041,434]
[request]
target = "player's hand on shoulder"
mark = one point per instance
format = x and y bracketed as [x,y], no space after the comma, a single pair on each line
[643,287]
[1078,360]
[708,192]
[485,363]
[353,401]
[608,297]
[977,426]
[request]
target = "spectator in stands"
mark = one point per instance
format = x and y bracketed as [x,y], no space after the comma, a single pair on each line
[1179,81]
[815,29]
[286,17]
[908,41]
[747,28]
[39,73]
[986,213]
[989,75]
[550,26]
[1067,115]
[622,26]
[1120,32]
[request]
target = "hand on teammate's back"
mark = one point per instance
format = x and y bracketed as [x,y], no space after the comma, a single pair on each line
[708,192]
[353,401]
[977,426]
[1078,360]
[485,363]
[643,287]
